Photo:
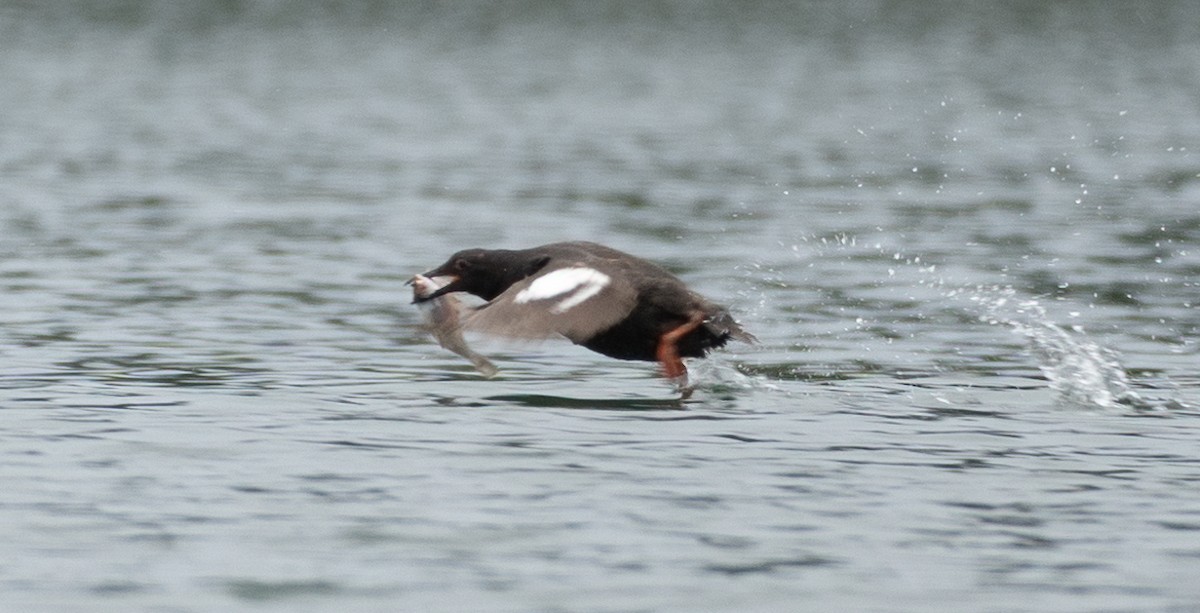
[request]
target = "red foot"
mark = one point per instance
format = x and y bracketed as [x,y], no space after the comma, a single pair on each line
[668,350]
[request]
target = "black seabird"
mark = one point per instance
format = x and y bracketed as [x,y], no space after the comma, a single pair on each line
[606,300]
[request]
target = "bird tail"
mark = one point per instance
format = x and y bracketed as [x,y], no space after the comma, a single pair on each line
[723,326]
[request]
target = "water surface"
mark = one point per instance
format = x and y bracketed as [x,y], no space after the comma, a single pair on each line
[967,238]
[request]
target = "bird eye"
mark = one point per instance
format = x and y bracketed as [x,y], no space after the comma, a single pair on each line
[461,265]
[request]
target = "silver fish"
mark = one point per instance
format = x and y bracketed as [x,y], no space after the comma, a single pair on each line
[443,317]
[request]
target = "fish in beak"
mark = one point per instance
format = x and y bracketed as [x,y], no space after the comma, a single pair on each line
[443,319]
[444,282]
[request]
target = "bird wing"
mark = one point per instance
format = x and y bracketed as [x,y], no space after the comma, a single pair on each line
[573,300]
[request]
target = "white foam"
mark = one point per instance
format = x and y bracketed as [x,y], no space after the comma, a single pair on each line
[581,283]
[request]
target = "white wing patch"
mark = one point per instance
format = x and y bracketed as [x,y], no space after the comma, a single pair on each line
[576,284]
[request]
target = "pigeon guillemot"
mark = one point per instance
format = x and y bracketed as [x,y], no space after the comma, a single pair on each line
[606,300]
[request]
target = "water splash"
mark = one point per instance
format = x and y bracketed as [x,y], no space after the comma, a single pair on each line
[721,374]
[1083,373]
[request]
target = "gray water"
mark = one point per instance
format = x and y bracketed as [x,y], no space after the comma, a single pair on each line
[967,236]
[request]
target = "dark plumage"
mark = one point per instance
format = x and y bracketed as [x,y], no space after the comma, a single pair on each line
[606,300]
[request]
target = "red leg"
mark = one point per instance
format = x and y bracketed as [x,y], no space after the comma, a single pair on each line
[668,350]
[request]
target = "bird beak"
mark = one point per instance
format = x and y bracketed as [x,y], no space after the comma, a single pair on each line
[440,280]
